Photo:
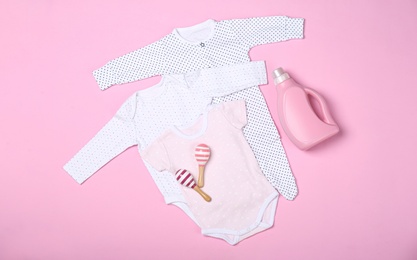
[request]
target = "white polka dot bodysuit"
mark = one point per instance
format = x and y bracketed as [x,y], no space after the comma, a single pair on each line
[176,100]
[213,44]
[243,201]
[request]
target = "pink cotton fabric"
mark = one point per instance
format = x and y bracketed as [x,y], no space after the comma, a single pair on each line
[243,201]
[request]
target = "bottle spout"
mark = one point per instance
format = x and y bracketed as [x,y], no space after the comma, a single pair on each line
[280,76]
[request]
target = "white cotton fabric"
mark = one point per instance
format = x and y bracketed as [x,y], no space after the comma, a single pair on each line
[176,100]
[214,44]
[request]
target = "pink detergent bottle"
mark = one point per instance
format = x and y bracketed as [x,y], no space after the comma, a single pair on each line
[298,119]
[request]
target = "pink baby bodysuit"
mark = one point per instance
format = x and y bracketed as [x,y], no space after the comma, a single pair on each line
[243,201]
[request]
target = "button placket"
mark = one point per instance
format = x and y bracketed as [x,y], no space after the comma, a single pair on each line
[202,52]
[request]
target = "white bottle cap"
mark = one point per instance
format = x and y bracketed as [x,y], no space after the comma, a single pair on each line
[280,75]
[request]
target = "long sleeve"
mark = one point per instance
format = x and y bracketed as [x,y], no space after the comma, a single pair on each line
[225,80]
[139,64]
[115,137]
[262,30]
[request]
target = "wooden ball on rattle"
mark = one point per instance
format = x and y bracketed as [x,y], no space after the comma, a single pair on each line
[202,155]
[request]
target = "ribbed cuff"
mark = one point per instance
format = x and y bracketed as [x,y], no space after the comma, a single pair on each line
[260,67]
[105,76]
[77,177]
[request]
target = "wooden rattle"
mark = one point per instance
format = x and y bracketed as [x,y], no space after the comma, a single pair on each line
[185,178]
[202,155]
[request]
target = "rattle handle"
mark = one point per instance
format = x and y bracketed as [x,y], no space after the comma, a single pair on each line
[202,193]
[200,182]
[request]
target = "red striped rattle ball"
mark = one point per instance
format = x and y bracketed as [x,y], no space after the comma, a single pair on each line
[202,155]
[185,178]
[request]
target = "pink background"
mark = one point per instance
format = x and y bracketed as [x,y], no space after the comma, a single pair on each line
[358,191]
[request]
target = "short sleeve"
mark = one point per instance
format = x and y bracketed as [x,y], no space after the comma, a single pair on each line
[156,155]
[139,64]
[262,30]
[235,113]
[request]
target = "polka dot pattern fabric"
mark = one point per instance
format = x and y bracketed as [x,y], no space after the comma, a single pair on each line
[100,150]
[229,44]
[225,42]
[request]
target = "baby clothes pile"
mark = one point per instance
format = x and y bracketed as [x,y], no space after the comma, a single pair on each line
[209,94]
